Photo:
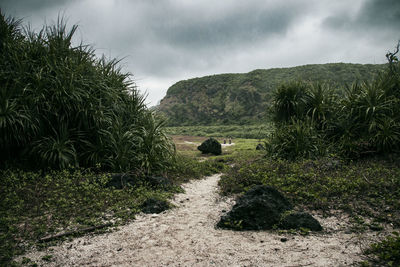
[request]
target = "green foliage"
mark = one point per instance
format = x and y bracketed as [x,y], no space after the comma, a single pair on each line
[60,106]
[187,168]
[246,98]
[298,139]
[366,187]
[37,204]
[65,118]
[289,101]
[255,131]
[386,252]
[310,119]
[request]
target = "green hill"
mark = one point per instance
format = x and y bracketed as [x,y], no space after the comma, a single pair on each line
[244,98]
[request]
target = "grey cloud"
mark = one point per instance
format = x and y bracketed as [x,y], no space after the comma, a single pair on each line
[32,5]
[239,27]
[381,15]
[168,40]
[169,37]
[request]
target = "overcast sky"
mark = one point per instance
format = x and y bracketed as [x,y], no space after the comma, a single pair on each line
[165,41]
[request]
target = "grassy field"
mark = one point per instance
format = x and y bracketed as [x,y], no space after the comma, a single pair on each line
[187,145]
[259,131]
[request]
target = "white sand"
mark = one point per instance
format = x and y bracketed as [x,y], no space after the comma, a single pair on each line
[186,236]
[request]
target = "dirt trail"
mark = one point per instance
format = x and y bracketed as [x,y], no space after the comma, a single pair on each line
[186,236]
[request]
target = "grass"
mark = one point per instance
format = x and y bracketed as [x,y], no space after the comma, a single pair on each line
[384,253]
[365,188]
[368,190]
[36,204]
[187,146]
[67,121]
[255,131]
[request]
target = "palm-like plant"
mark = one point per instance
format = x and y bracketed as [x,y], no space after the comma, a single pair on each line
[365,120]
[290,101]
[156,148]
[319,104]
[63,106]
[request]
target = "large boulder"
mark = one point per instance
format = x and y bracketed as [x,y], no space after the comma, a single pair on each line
[297,220]
[258,209]
[212,146]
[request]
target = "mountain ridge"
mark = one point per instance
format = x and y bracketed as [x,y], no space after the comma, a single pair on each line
[243,98]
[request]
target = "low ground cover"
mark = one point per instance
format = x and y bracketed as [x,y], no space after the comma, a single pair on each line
[254,131]
[38,204]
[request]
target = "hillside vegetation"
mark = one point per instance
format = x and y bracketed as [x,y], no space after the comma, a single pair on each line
[245,98]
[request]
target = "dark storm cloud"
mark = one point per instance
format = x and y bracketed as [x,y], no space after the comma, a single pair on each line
[238,26]
[164,37]
[167,37]
[164,41]
[32,5]
[380,15]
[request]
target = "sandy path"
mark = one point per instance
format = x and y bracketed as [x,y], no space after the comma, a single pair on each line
[185,236]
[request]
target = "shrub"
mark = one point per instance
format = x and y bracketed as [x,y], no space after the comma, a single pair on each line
[365,120]
[289,101]
[299,139]
[362,187]
[60,106]
[386,252]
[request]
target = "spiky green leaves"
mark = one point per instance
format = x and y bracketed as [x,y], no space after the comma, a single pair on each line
[365,119]
[62,106]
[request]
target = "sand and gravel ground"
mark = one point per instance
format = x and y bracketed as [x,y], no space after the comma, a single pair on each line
[186,236]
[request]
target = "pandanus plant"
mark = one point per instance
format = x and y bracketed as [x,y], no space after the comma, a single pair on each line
[61,106]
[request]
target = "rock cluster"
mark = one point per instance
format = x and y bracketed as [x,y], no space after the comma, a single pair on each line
[263,208]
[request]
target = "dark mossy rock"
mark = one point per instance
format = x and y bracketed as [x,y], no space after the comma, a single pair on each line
[211,146]
[260,147]
[258,209]
[153,205]
[297,220]
[120,180]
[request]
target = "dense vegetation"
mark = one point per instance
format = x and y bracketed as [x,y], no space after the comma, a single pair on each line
[311,120]
[367,190]
[246,98]
[60,106]
[70,124]
[256,131]
[335,151]
[363,188]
